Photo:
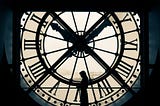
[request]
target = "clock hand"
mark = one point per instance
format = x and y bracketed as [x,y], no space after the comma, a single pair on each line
[86,35]
[65,34]
[72,34]
[98,30]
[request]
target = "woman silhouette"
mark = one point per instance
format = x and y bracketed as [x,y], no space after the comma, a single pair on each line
[83,88]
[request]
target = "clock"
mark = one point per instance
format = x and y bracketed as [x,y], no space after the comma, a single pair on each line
[55,46]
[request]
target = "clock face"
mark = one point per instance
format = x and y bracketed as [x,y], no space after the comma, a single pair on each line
[57,46]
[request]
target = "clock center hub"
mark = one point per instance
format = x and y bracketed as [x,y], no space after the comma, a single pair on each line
[81,44]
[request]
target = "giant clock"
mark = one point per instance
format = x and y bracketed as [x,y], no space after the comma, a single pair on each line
[56,46]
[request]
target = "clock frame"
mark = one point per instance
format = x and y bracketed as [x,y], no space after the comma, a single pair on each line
[102,92]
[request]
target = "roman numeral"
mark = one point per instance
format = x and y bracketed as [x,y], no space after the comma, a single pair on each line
[37,69]
[31,44]
[131,45]
[104,88]
[124,68]
[27,13]
[37,19]
[54,88]
[125,18]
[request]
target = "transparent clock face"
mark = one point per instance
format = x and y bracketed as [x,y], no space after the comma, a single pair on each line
[57,46]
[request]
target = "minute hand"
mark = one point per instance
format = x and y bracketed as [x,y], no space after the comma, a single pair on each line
[95,33]
[92,28]
[65,26]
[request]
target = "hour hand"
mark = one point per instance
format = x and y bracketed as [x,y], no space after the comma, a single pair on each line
[65,34]
[55,26]
[98,30]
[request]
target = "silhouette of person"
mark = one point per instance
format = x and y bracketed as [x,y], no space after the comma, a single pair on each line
[83,89]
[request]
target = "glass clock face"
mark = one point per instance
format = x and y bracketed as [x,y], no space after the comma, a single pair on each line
[57,46]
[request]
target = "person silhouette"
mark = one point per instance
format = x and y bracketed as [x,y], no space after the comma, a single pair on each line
[83,89]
